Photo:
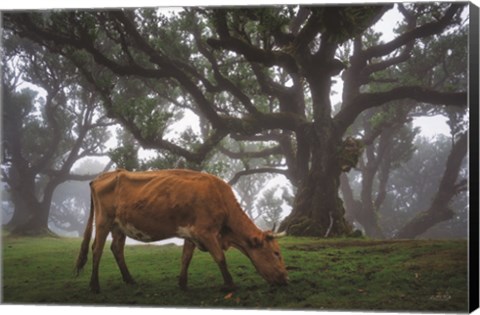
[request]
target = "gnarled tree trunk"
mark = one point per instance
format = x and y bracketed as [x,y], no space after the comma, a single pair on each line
[318,209]
[439,210]
[30,216]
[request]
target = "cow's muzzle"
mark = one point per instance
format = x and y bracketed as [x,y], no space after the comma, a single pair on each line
[280,282]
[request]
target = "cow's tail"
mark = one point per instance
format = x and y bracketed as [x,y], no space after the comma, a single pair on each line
[87,235]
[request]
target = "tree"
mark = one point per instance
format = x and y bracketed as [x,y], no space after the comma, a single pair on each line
[43,137]
[70,205]
[408,194]
[125,155]
[448,188]
[439,209]
[257,73]
[270,208]
[388,142]
[242,163]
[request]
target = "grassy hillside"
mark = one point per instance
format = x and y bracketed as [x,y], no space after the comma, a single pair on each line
[341,274]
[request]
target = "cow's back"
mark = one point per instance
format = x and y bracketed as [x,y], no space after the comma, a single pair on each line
[155,205]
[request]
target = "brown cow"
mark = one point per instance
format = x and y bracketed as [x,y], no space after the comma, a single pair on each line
[155,205]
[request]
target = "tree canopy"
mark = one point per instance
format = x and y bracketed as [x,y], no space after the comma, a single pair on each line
[49,124]
[260,75]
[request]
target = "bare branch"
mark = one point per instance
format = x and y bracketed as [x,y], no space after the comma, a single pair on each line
[252,154]
[363,101]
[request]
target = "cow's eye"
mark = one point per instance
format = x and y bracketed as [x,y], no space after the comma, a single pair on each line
[277,254]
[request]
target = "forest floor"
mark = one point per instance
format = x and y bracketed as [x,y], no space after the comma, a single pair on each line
[333,274]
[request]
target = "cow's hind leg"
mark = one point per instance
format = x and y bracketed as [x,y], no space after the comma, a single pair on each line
[101,233]
[188,248]
[213,246]
[117,247]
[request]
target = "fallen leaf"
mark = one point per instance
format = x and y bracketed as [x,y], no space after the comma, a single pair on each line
[228,296]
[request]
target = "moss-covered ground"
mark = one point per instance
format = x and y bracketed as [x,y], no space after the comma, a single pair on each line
[333,274]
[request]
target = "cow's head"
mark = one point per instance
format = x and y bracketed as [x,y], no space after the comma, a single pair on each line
[264,252]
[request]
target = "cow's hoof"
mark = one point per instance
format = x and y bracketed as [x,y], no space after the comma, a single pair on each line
[229,287]
[130,281]
[95,289]
[182,283]
[94,286]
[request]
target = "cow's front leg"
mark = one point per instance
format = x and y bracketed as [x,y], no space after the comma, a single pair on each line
[188,248]
[228,284]
[213,246]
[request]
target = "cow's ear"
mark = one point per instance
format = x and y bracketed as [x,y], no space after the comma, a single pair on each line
[255,242]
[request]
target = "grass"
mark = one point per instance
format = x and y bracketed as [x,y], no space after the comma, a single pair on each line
[338,274]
